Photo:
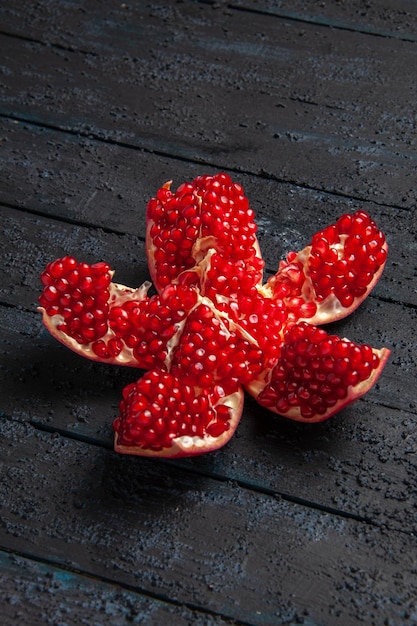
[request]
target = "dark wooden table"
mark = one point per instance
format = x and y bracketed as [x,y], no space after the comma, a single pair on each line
[312,107]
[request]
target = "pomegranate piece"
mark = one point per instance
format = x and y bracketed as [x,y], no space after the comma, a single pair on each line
[212,212]
[331,277]
[317,374]
[213,328]
[108,322]
[162,416]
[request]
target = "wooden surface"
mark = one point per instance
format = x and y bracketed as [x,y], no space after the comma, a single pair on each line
[312,107]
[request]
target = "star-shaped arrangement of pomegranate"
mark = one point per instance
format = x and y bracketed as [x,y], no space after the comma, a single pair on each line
[213,328]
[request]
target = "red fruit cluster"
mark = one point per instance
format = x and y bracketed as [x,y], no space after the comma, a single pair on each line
[328,279]
[212,212]
[315,372]
[79,293]
[160,408]
[348,271]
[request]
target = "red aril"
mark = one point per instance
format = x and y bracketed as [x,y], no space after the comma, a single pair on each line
[213,328]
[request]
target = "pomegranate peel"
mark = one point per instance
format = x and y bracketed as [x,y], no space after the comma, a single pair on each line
[213,327]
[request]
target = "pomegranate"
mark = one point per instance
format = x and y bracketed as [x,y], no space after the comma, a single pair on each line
[213,328]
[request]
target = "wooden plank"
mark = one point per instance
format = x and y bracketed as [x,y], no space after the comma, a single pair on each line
[33,592]
[60,390]
[330,110]
[218,539]
[241,554]
[389,18]
[361,462]
[93,183]
[49,385]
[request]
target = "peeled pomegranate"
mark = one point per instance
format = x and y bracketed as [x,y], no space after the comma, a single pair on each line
[214,328]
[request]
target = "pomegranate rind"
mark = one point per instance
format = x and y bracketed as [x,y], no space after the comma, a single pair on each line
[331,309]
[187,445]
[353,393]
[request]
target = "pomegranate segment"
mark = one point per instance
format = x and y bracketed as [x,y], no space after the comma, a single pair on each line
[210,350]
[162,416]
[213,328]
[317,374]
[331,277]
[107,322]
[212,212]
[79,293]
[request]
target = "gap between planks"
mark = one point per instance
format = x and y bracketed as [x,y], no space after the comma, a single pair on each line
[244,484]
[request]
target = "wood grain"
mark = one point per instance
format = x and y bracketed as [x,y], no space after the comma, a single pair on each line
[148,526]
[34,592]
[56,174]
[360,463]
[387,18]
[311,106]
[326,109]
